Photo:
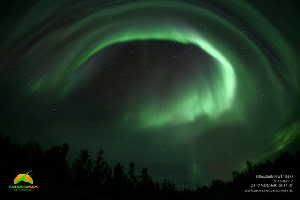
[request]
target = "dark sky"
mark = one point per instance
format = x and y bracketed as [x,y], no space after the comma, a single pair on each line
[190,89]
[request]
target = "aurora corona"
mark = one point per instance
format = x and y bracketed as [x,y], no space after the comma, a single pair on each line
[118,31]
[250,79]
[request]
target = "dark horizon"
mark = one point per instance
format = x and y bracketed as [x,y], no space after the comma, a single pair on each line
[85,176]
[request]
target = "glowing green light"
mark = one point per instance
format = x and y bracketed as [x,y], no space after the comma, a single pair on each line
[196,102]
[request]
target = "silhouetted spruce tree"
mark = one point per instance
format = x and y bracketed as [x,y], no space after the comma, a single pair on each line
[54,170]
[119,180]
[101,173]
[145,182]
[132,177]
[82,169]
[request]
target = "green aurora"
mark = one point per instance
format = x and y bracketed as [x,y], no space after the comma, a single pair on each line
[253,90]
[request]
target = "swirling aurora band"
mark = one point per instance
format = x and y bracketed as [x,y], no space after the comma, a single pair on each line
[204,103]
[248,62]
[118,32]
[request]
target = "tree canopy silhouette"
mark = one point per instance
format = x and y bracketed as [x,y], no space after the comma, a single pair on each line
[86,176]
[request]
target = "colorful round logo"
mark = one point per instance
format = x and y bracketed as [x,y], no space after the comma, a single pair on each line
[23,178]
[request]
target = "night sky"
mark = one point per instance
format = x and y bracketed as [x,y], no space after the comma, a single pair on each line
[189,89]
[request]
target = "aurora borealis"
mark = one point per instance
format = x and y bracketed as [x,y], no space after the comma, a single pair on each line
[191,89]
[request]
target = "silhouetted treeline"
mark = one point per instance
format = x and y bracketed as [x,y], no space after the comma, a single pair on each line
[87,177]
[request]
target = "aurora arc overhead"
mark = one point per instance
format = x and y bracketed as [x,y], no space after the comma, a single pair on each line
[230,96]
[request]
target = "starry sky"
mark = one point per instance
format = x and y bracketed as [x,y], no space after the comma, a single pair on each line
[191,89]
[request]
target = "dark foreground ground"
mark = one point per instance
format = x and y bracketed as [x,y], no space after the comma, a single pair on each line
[88,178]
